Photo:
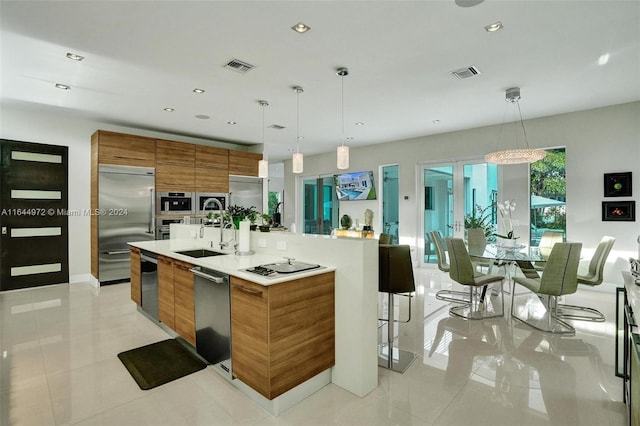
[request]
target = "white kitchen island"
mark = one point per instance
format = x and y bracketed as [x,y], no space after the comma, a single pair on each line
[355,262]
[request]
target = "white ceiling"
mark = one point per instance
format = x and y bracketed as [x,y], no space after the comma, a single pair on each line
[143,56]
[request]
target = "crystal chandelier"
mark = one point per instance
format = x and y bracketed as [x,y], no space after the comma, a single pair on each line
[516,155]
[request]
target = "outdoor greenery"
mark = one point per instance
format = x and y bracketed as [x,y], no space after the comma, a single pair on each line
[548,179]
[480,218]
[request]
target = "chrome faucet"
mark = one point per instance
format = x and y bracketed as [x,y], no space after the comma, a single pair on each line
[221,209]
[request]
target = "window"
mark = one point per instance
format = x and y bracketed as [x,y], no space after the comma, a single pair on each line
[548,192]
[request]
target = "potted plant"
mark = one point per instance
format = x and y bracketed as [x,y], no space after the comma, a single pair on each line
[239,213]
[266,223]
[253,216]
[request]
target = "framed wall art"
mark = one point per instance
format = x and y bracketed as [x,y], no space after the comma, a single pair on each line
[617,184]
[619,211]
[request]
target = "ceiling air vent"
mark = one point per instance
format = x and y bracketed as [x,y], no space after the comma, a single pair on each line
[239,66]
[465,72]
[276,126]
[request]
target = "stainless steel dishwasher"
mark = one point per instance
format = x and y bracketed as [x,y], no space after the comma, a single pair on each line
[149,283]
[213,317]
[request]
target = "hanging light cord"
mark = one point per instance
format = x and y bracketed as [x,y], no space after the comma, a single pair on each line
[297,120]
[342,81]
[524,132]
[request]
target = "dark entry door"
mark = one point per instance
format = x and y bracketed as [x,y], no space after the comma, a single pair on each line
[34,238]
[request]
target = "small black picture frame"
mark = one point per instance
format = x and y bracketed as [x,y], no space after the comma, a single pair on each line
[619,211]
[617,184]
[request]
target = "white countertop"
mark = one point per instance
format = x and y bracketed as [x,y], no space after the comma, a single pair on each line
[633,293]
[230,263]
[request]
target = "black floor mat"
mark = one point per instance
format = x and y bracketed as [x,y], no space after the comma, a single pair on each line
[159,363]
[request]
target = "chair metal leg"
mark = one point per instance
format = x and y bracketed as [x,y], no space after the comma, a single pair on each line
[591,314]
[396,359]
[453,296]
[477,308]
[549,322]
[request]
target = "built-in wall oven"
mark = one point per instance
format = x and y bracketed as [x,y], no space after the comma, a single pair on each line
[201,197]
[162,227]
[175,203]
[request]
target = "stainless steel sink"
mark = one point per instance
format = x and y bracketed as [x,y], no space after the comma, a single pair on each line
[200,253]
[290,267]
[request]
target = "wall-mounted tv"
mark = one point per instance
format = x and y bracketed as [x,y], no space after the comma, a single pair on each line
[355,186]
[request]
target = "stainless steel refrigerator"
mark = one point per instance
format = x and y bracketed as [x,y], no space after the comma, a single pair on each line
[125,213]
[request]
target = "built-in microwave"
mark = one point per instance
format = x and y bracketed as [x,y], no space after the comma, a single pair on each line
[175,203]
[202,197]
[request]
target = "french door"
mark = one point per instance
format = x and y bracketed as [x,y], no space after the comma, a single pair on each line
[453,193]
[319,205]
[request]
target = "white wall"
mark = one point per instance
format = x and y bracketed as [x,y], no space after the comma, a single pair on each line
[49,127]
[597,141]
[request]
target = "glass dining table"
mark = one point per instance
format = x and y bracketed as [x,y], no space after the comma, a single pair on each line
[508,257]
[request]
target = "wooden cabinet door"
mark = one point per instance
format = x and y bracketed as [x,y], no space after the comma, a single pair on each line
[172,177]
[185,314]
[136,279]
[243,163]
[166,296]
[180,153]
[301,330]
[125,150]
[212,169]
[249,334]
[211,180]
[282,334]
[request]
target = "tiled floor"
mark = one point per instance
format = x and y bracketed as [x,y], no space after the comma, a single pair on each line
[59,366]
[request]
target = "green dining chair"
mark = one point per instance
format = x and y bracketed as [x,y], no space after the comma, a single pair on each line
[441,255]
[593,277]
[560,278]
[480,306]
[385,238]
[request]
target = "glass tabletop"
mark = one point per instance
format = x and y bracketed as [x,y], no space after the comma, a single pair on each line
[518,252]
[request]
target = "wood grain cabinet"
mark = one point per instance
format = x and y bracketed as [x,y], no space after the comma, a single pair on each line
[123,149]
[175,162]
[212,169]
[136,276]
[243,163]
[184,297]
[166,296]
[282,334]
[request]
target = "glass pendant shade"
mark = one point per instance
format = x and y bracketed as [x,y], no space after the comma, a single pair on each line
[298,163]
[263,169]
[343,157]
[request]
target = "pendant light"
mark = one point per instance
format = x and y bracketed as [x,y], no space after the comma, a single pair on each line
[515,155]
[298,158]
[343,150]
[263,165]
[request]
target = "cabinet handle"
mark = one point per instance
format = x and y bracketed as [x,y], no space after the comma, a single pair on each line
[165,261]
[249,290]
[184,268]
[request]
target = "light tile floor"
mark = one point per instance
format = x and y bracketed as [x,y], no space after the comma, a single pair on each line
[59,366]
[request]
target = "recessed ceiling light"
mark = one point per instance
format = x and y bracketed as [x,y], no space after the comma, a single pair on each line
[349,138]
[359,123]
[300,27]
[603,59]
[63,86]
[74,57]
[493,27]
[169,109]
[198,91]
[300,138]
[468,3]
[232,123]
[202,117]
[436,121]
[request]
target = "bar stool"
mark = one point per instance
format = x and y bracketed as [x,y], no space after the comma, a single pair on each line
[395,277]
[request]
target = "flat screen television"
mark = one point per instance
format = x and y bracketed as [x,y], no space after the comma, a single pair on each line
[355,186]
